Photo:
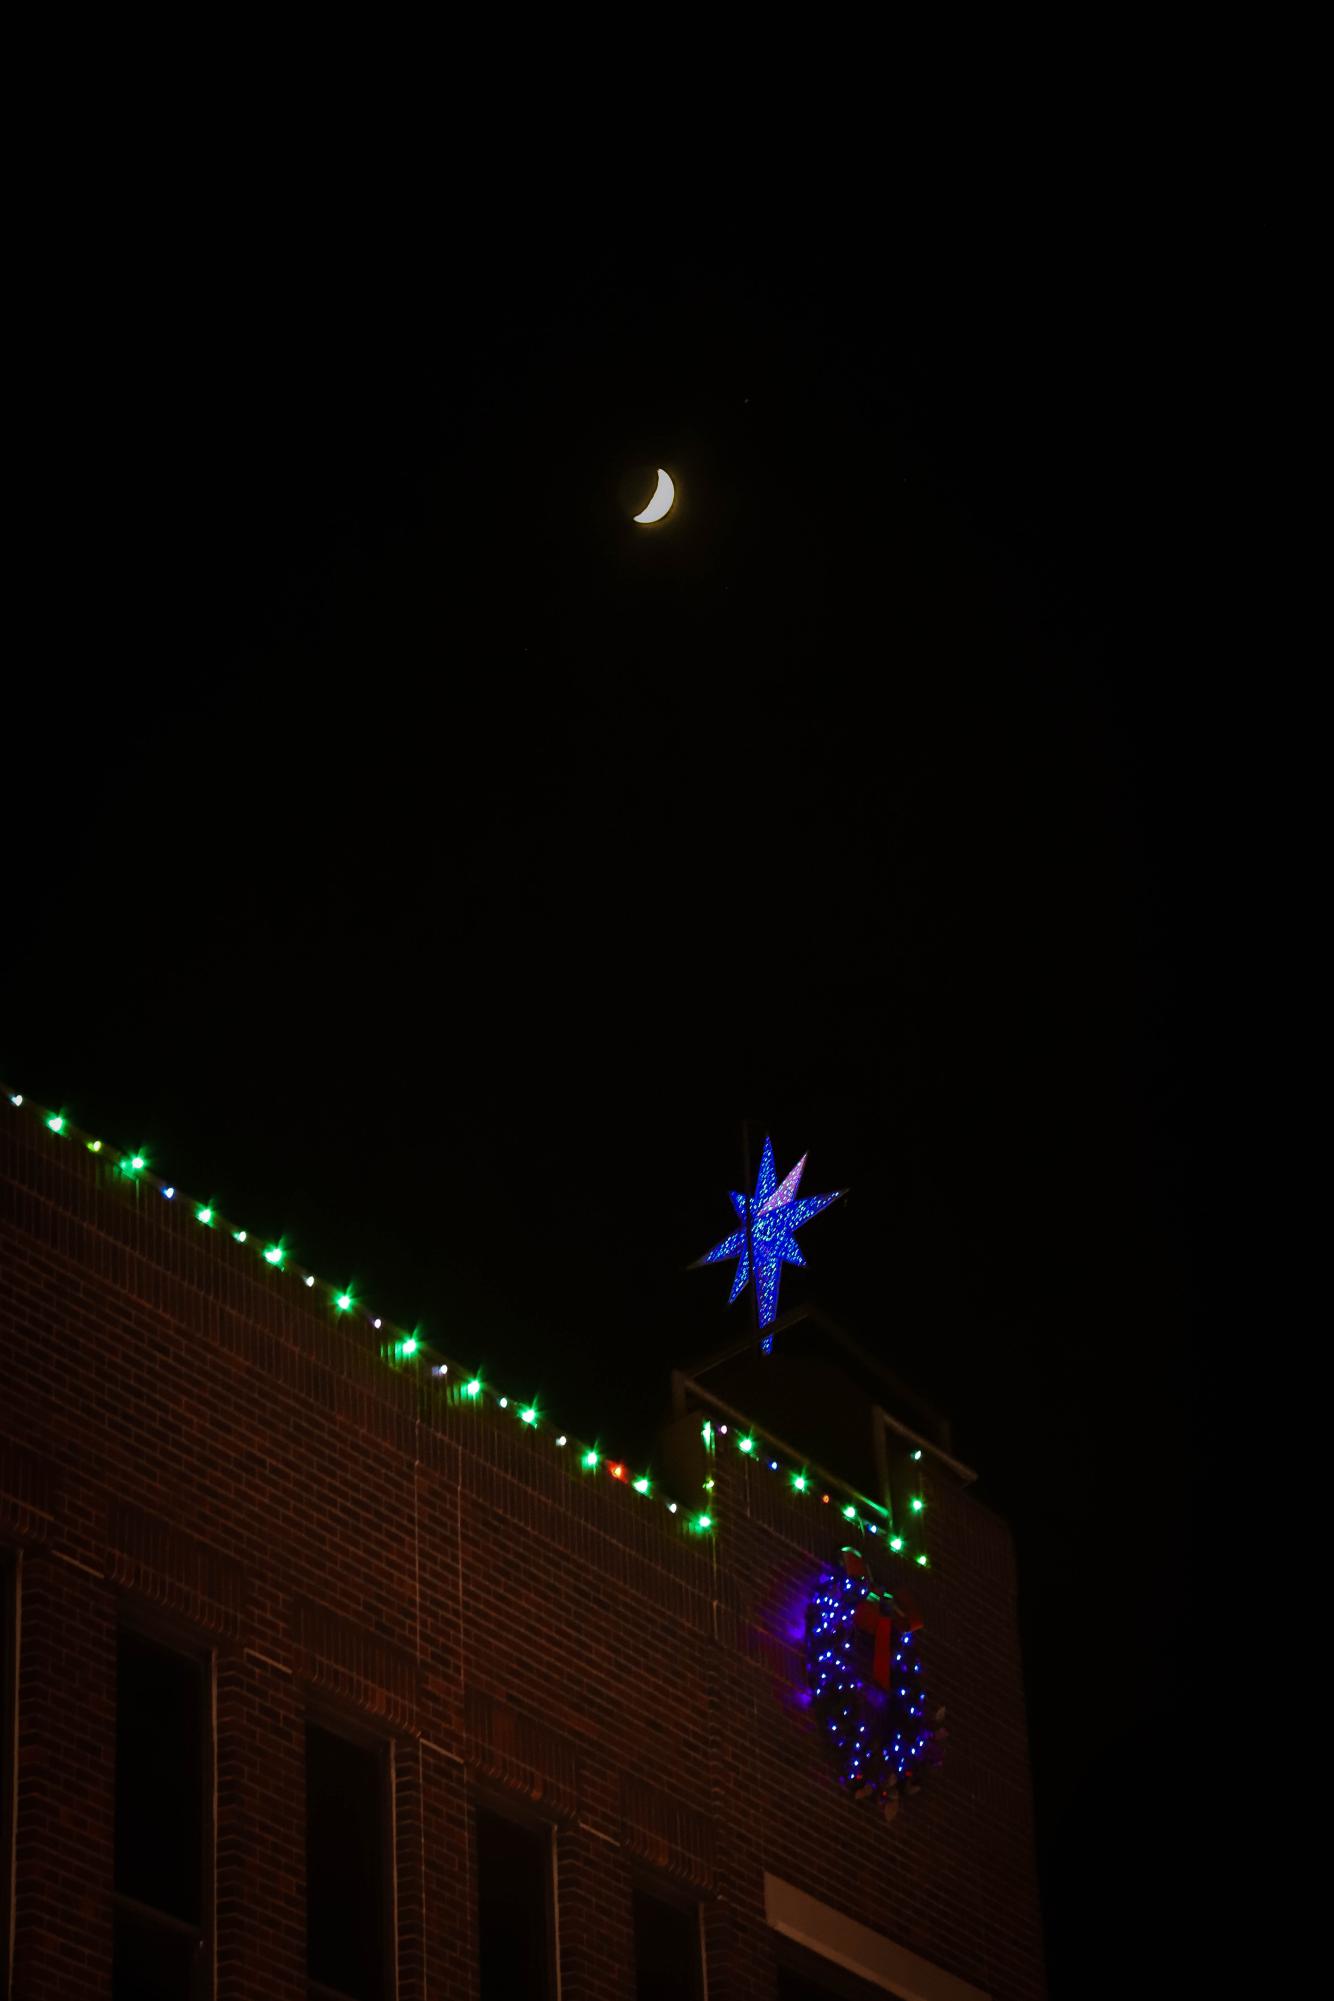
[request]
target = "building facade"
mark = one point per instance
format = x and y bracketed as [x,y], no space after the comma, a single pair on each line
[323,1676]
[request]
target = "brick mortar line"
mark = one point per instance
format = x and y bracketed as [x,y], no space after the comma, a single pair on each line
[63,1556]
[371,1383]
[399,1406]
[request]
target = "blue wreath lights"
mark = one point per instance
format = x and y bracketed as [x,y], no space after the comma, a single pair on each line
[866,1687]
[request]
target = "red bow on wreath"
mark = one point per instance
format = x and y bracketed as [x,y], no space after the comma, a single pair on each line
[878,1614]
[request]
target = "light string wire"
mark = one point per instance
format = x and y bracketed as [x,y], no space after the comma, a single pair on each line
[399,1346]
[870,1517]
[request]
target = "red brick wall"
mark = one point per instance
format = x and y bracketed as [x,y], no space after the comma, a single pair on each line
[178,1427]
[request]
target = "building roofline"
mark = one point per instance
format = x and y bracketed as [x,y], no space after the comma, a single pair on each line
[897,1390]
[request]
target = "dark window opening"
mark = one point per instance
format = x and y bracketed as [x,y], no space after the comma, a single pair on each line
[160,1795]
[667,1949]
[806,1976]
[153,1961]
[345,1866]
[514,1909]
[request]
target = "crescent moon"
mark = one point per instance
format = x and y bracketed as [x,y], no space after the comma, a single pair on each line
[662,499]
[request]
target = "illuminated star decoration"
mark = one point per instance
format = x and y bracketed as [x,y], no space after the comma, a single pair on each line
[775,1215]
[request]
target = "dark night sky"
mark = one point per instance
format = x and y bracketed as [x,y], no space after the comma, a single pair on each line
[430,865]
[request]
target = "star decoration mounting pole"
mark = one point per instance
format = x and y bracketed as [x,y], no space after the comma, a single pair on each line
[766,1341]
[767,1239]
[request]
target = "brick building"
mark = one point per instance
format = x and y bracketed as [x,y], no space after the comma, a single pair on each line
[324,1676]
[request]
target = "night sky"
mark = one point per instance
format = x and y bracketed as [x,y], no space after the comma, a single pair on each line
[430,865]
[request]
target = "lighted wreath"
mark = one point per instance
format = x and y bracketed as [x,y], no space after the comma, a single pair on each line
[866,1686]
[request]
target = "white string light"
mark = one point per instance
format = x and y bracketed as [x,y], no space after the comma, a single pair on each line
[405,1347]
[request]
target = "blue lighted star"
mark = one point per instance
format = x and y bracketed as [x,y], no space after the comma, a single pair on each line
[775,1214]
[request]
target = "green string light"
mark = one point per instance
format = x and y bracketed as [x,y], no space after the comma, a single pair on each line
[923,1559]
[275,1255]
[407,1347]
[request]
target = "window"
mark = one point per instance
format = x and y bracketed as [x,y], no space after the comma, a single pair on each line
[667,1949]
[806,1979]
[161,1791]
[346,1873]
[514,1909]
[8,1747]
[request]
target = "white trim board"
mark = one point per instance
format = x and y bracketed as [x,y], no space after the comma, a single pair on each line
[855,1946]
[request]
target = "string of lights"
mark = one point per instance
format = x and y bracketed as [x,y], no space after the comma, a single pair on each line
[855,1509]
[402,1347]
